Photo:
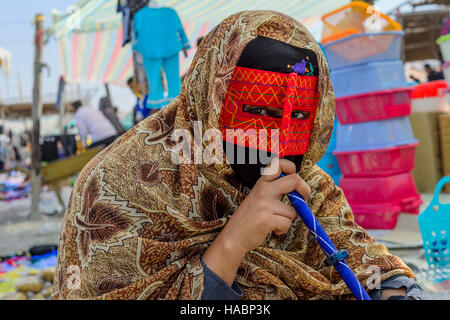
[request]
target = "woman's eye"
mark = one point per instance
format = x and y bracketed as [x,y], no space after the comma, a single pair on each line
[253,110]
[300,114]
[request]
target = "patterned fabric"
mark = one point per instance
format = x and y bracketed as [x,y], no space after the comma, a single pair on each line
[289,92]
[137,224]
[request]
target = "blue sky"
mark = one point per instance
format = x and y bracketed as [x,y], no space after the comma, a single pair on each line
[16,35]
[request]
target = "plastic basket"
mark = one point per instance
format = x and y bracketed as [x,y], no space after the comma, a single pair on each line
[368,77]
[374,135]
[434,224]
[444,44]
[356,17]
[377,163]
[374,106]
[363,48]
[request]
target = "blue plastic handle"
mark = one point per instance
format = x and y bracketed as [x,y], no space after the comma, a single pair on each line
[326,244]
[438,189]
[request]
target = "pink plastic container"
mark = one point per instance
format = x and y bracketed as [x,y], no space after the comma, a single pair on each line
[377,163]
[375,201]
[384,221]
[373,106]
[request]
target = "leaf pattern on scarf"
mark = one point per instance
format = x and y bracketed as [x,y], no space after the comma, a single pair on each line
[148,173]
[103,221]
[213,204]
[111,283]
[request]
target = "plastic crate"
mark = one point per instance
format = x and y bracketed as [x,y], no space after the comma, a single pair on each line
[374,135]
[368,77]
[356,17]
[434,224]
[363,48]
[373,163]
[444,44]
[374,105]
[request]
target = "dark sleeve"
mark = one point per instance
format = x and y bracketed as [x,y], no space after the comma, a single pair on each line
[217,289]
[413,290]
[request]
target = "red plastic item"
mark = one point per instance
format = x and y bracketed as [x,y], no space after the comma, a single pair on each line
[383,221]
[429,89]
[377,163]
[381,196]
[374,106]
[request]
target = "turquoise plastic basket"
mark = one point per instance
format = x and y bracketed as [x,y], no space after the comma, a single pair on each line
[434,224]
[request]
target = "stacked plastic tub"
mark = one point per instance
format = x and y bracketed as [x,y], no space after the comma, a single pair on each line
[329,162]
[375,143]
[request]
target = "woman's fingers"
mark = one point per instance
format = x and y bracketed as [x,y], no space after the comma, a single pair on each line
[284,210]
[281,225]
[275,168]
[289,183]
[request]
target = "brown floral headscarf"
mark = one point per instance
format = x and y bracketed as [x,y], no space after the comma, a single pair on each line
[137,224]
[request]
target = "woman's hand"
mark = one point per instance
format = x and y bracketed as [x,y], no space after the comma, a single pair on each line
[260,213]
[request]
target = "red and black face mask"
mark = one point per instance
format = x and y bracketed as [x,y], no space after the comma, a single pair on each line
[273,89]
[270,103]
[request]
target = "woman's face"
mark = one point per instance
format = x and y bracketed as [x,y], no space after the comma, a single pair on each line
[274,86]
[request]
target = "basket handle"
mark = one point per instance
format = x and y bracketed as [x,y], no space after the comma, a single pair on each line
[438,189]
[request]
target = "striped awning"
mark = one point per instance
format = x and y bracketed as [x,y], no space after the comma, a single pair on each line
[95,15]
[96,56]
[91,34]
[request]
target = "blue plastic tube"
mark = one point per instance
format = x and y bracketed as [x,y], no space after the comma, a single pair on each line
[327,245]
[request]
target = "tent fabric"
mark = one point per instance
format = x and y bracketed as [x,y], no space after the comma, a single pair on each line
[96,57]
[5,61]
[90,33]
[95,15]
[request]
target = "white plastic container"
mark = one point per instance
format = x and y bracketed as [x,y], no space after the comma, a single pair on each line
[447,96]
[431,104]
[444,43]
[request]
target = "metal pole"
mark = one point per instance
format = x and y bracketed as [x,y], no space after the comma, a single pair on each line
[62,110]
[20,86]
[36,115]
[108,93]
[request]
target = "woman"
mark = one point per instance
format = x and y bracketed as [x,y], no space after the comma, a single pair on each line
[141,226]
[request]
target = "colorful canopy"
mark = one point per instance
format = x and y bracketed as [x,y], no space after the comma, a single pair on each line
[91,33]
